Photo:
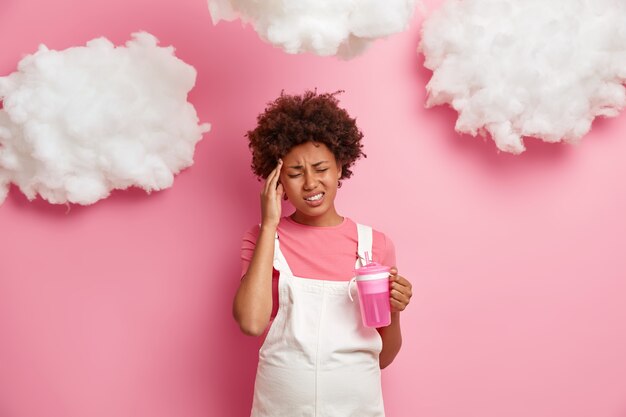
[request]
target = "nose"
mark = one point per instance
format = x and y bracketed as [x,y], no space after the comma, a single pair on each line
[309,181]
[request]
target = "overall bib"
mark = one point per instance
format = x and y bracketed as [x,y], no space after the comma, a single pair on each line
[318,360]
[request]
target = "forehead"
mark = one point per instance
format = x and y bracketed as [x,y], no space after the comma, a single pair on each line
[311,152]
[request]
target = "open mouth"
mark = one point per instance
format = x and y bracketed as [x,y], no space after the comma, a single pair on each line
[315,199]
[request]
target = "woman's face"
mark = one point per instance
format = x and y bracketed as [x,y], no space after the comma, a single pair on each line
[310,177]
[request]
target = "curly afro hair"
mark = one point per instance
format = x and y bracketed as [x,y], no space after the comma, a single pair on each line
[291,120]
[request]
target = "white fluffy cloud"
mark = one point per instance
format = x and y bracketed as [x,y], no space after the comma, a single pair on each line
[324,27]
[81,122]
[535,68]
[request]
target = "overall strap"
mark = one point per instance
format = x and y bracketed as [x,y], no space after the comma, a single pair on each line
[280,263]
[365,236]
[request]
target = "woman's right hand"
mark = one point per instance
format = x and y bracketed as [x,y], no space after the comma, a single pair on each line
[270,198]
[252,306]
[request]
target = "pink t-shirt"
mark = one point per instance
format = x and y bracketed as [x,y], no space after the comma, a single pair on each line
[318,252]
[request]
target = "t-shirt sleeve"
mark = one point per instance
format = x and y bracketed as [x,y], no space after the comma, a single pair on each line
[385,249]
[247,248]
[389,253]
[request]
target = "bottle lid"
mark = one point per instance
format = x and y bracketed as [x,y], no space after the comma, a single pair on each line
[371,267]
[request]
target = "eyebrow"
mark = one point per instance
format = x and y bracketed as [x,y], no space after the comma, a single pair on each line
[301,167]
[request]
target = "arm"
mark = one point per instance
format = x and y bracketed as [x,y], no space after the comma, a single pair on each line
[252,305]
[400,296]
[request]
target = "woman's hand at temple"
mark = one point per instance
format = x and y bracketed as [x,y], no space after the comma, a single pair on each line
[270,198]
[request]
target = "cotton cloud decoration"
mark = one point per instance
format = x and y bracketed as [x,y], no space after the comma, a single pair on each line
[529,68]
[324,27]
[81,122]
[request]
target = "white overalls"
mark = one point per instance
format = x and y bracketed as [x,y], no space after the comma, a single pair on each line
[318,360]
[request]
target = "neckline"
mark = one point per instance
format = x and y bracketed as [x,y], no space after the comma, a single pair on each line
[307,226]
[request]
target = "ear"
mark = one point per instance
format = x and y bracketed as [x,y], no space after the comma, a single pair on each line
[339,167]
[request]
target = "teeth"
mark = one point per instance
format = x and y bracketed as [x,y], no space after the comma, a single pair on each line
[315,197]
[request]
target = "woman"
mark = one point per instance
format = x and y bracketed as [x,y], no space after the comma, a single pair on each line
[317,359]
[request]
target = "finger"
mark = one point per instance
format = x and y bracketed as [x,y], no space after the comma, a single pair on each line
[276,179]
[279,191]
[404,289]
[397,306]
[402,281]
[272,179]
[403,286]
[393,271]
[268,181]
[398,296]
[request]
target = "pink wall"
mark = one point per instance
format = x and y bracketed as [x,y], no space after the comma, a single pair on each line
[123,308]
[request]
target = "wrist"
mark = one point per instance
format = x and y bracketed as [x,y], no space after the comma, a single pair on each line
[395,317]
[269,227]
